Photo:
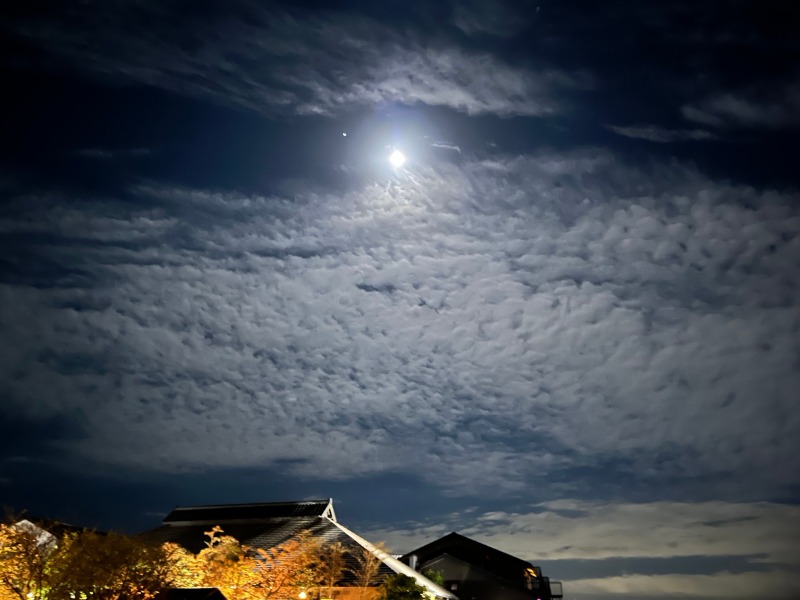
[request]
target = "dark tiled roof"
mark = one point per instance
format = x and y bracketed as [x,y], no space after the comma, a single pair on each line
[246,512]
[241,522]
[489,559]
[264,533]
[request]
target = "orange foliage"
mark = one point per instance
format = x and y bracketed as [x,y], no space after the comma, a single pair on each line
[116,567]
[23,561]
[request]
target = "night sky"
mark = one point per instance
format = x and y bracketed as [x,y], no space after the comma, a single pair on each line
[568,326]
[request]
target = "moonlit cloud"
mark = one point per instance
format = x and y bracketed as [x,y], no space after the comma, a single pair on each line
[570,529]
[574,529]
[564,532]
[508,320]
[446,146]
[782,584]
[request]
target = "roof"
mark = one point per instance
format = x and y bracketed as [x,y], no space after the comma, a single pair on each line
[268,525]
[399,567]
[247,512]
[485,557]
[208,593]
[54,526]
[264,525]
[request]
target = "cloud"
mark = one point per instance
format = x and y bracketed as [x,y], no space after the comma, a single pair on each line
[105,154]
[446,146]
[660,135]
[768,108]
[574,529]
[496,18]
[616,536]
[486,327]
[779,584]
[570,529]
[272,62]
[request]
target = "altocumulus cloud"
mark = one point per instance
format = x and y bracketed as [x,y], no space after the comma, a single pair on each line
[508,320]
[273,61]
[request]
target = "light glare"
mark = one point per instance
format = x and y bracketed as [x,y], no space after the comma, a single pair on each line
[397,159]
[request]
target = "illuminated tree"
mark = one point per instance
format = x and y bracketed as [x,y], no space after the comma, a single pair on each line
[225,564]
[366,571]
[288,569]
[85,565]
[185,569]
[244,573]
[107,567]
[331,566]
[24,553]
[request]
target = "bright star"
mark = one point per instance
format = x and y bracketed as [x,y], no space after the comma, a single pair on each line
[397,159]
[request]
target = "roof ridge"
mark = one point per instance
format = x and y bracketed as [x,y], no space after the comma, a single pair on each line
[492,548]
[250,504]
[454,535]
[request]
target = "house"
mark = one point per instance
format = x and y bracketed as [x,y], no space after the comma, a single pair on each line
[46,532]
[475,571]
[268,525]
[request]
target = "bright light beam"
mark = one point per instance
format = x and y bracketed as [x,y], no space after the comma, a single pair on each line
[397,159]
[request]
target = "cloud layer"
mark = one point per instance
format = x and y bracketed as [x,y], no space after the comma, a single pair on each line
[508,320]
[567,536]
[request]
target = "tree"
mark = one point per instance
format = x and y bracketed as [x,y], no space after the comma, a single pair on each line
[24,551]
[244,573]
[401,587]
[366,571]
[185,569]
[288,569]
[225,564]
[331,566]
[435,576]
[109,566]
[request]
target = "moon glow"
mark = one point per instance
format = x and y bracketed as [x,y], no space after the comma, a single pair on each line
[397,159]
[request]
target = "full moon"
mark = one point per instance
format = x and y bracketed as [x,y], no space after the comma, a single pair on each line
[397,159]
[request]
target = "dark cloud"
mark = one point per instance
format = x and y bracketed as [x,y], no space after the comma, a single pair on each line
[106,154]
[764,108]
[270,60]
[496,18]
[653,133]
